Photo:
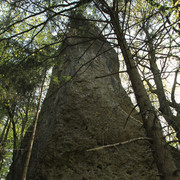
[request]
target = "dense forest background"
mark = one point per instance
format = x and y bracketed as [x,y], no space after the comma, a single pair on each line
[144,33]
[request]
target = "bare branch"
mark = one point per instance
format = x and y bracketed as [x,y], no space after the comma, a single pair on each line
[119,144]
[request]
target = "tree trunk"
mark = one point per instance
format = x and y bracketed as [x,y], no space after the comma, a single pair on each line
[25,168]
[164,104]
[162,155]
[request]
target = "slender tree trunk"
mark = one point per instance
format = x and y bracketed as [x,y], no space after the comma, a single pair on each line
[3,140]
[24,121]
[11,110]
[33,134]
[7,131]
[162,155]
[3,132]
[164,105]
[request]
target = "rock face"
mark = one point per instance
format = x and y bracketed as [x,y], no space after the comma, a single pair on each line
[82,112]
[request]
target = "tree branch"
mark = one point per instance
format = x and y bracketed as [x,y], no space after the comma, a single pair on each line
[118,144]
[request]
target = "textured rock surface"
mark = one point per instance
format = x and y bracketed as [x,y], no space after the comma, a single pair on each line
[87,112]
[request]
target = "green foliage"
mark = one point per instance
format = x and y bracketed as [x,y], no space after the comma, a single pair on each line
[66,78]
[63,79]
[23,61]
[55,80]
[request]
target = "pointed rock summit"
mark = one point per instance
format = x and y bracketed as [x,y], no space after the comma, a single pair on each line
[83,110]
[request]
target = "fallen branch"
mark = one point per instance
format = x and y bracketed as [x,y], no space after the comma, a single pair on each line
[120,143]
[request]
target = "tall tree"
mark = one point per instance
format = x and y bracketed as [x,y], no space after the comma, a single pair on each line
[151,122]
